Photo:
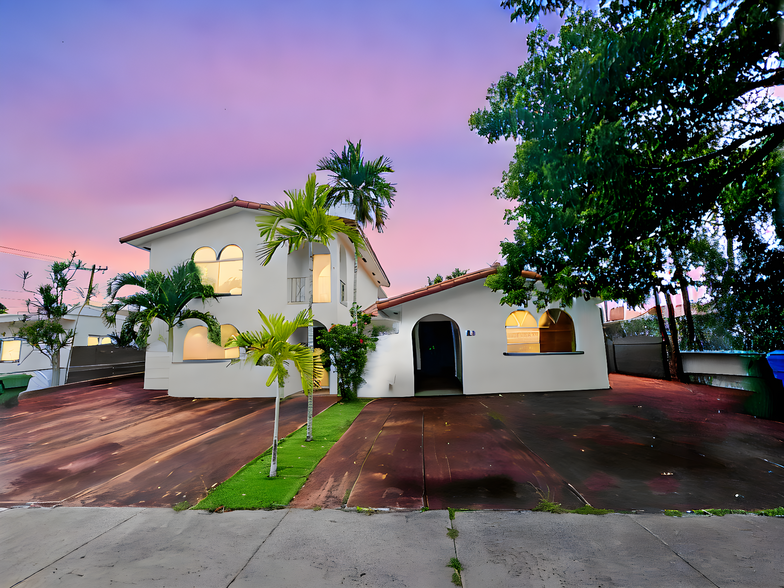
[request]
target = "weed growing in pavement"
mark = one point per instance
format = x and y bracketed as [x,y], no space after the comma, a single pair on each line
[452,533]
[452,512]
[547,504]
[673,513]
[317,507]
[720,512]
[184,505]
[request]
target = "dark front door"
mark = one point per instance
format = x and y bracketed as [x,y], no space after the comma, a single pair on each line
[437,348]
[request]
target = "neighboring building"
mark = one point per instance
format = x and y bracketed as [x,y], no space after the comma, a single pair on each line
[16,356]
[223,241]
[456,338]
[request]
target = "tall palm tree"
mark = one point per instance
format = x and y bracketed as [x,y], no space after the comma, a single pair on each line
[270,347]
[164,296]
[361,185]
[302,219]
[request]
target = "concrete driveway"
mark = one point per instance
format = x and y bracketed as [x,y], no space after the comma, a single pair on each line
[643,445]
[116,444]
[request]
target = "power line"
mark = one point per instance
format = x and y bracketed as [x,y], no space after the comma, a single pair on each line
[22,252]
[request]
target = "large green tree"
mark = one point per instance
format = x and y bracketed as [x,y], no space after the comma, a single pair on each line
[629,126]
[163,296]
[300,221]
[42,328]
[362,185]
[271,347]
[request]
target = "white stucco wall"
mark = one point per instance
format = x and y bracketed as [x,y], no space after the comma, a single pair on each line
[390,370]
[263,287]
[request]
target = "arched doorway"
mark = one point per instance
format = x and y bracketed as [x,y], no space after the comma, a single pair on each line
[301,336]
[438,360]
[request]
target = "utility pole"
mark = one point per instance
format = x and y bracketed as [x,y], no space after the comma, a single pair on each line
[76,324]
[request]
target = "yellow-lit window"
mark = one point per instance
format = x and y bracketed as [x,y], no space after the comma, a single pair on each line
[10,350]
[208,264]
[556,332]
[224,272]
[522,333]
[321,278]
[198,346]
[230,273]
[98,340]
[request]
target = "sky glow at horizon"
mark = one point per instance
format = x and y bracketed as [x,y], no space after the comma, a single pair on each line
[115,117]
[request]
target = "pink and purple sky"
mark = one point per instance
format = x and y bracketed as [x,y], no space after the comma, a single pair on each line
[117,116]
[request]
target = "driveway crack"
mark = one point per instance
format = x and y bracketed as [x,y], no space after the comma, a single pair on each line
[683,559]
[258,548]
[51,563]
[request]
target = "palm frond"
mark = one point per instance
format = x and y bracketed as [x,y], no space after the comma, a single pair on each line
[360,184]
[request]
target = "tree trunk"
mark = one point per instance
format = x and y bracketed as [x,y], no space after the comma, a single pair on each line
[311,345]
[354,310]
[55,368]
[676,352]
[274,461]
[170,342]
[663,332]
[730,236]
[684,285]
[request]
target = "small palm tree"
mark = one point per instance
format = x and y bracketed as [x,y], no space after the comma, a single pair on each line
[303,219]
[164,296]
[361,185]
[270,347]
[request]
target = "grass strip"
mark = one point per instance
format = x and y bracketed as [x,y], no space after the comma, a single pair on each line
[252,488]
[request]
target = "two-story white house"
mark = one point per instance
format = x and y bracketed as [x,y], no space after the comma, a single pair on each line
[449,338]
[223,241]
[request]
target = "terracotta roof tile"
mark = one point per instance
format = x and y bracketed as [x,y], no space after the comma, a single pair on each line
[236,202]
[440,287]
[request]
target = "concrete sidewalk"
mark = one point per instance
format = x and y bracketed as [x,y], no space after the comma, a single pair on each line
[98,547]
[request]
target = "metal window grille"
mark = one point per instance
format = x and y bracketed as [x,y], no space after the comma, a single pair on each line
[298,290]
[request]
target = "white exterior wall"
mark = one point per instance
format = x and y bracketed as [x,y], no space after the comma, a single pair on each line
[486,370]
[263,287]
[32,360]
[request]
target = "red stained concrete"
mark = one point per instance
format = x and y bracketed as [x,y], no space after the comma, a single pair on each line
[117,444]
[644,444]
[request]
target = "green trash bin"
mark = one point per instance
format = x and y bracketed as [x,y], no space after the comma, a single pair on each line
[11,386]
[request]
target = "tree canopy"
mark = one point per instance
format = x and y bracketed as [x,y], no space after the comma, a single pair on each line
[164,296]
[630,125]
[45,332]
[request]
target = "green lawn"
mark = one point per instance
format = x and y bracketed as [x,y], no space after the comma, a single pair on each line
[251,487]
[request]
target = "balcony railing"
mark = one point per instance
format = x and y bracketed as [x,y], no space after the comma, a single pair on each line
[298,290]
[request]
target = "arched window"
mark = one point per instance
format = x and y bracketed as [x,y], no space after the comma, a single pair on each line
[556,332]
[224,272]
[522,333]
[198,346]
[321,278]
[230,263]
